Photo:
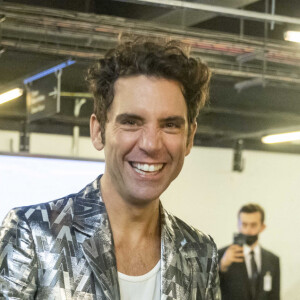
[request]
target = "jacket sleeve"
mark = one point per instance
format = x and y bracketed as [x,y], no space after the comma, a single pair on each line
[275,293]
[18,263]
[214,292]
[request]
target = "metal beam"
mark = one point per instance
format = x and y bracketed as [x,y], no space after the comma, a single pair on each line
[191,17]
[231,12]
[89,38]
[245,74]
[92,55]
[76,95]
[267,115]
[260,133]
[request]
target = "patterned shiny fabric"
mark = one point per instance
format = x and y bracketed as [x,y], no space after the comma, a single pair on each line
[64,250]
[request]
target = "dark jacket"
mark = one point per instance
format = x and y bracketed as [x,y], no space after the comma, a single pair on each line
[235,283]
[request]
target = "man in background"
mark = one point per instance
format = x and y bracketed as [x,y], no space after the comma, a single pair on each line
[248,271]
[114,240]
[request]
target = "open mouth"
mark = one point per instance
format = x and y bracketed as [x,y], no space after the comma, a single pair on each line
[146,168]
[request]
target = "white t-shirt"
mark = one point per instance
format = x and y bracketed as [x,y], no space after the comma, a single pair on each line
[146,287]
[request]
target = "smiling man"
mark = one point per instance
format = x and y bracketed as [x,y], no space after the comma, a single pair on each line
[114,240]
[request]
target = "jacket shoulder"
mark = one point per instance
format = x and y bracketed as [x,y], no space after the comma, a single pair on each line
[51,209]
[270,254]
[46,211]
[201,241]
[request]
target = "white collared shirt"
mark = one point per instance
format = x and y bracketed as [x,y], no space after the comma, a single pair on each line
[257,257]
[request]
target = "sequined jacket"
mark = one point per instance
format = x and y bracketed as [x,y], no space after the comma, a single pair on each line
[64,249]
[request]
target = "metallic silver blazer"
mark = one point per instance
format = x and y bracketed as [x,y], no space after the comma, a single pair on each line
[64,250]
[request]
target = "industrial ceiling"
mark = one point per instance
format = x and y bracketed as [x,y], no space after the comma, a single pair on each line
[256,76]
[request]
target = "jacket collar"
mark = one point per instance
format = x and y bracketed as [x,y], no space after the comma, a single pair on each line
[89,209]
[176,269]
[91,219]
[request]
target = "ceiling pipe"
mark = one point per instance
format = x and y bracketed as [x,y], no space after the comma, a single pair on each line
[245,74]
[272,25]
[45,18]
[102,32]
[231,12]
[89,41]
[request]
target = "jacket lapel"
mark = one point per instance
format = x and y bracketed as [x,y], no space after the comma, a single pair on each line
[100,255]
[176,271]
[91,219]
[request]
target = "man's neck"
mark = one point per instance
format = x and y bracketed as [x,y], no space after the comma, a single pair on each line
[127,217]
[136,232]
[254,245]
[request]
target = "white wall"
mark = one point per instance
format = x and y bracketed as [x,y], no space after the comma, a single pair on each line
[9,141]
[207,194]
[49,144]
[31,180]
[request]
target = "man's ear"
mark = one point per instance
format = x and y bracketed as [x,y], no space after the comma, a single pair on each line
[95,132]
[263,227]
[190,141]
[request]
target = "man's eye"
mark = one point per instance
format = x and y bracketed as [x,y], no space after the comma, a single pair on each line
[129,122]
[172,125]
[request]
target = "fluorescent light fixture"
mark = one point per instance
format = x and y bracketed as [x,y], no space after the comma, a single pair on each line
[292,36]
[281,137]
[10,95]
[49,71]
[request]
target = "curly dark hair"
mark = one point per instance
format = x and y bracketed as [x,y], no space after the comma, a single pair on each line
[253,208]
[163,60]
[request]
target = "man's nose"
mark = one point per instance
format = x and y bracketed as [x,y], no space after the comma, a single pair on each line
[150,140]
[248,230]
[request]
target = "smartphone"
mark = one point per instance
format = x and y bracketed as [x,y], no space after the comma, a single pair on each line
[239,239]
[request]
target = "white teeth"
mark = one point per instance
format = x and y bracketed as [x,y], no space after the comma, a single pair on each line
[147,167]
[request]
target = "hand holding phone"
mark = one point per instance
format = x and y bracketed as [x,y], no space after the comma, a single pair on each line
[233,254]
[239,239]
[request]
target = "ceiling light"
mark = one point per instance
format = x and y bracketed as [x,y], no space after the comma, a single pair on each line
[10,95]
[292,36]
[281,137]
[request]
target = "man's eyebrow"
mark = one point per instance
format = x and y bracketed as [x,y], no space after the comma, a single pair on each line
[122,117]
[178,119]
[125,116]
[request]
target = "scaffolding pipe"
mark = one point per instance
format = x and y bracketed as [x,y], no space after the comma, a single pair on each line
[231,12]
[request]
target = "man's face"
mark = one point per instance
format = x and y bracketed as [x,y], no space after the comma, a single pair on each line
[250,223]
[145,137]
